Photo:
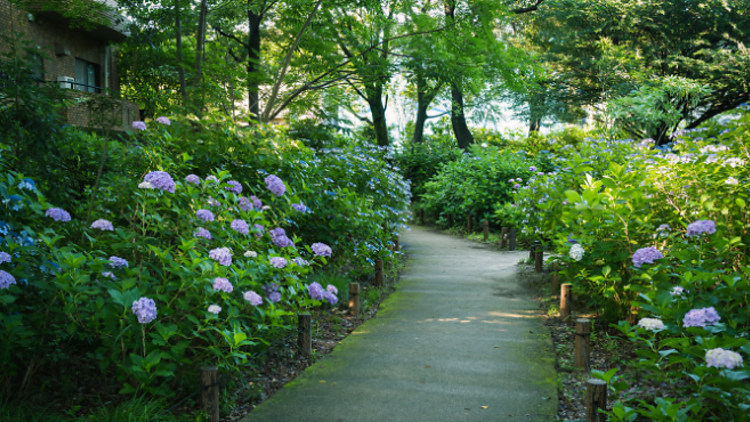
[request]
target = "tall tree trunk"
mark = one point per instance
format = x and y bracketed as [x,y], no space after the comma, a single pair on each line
[199,46]
[178,40]
[458,118]
[534,126]
[374,94]
[253,62]
[536,112]
[425,95]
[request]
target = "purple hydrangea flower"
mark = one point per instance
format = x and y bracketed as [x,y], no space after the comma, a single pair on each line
[194,179]
[646,256]
[201,232]
[214,309]
[160,180]
[245,204]
[278,236]
[331,288]
[240,226]
[321,249]
[222,255]
[205,215]
[278,262]
[701,317]
[301,262]
[221,284]
[116,262]
[300,207]
[315,290]
[211,178]
[532,168]
[721,358]
[6,279]
[701,226]
[259,230]
[165,121]
[274,297]
[516,186]
[571,240]
[139,125]
[145,309]
[330,297]
[4,257]
[109,275]
[256,202]
[58,214]
[270,288]
[253,298]
[102,224]
[663,227]
[235,187]
[275,185]
[213,202]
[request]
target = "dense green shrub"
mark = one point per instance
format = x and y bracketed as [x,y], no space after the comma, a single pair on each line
[349,199]
[660,237]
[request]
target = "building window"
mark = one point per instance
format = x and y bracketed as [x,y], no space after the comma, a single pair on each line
[36,65]
[87,76]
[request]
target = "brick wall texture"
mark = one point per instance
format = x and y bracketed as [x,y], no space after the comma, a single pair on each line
[44,33]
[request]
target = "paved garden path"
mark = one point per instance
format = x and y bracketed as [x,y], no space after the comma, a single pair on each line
[458,335]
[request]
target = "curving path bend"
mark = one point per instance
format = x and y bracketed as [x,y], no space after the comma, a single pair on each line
[460,333]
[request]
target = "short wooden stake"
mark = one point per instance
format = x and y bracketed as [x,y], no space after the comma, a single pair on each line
[397,246]
[539,262]
[210,391]
[512,240]
[468,224]
[354,299]
[486,227]
[583,342]
[596,398]
[379,273]
[304,340]
[565,299]
[503,237]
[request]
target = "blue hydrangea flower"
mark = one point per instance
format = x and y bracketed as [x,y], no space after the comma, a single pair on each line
[194,179]
[315,290]
[116,262]
[145,309]
[275,185]
[222,255]
[6,279]
[278,262]
[279,238]
[205,215]
[700,227]
[201,232]
[160,180]
[240,226]
[221,284]
[165,121]
[321,249]
[102,224]
[235,187]
[4,257]
[58,214]
[139,125]
[646,256]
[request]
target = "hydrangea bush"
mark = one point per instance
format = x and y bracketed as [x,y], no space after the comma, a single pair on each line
[137,277]
[665,233]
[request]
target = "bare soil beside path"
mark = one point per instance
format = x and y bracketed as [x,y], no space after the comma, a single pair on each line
[460,340]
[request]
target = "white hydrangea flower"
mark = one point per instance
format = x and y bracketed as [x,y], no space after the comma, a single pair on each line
[576,252]
[251,254]
[732,181]
[677,291]
[145,185]
[720,358]
[651,324]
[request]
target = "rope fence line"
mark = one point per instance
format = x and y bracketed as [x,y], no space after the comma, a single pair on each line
[215,384]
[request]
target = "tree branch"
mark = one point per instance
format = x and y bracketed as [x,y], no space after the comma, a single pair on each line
[230,36]
[523,10]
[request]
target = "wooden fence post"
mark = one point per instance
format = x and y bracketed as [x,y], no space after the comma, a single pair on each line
[398,244]
[565,299]
[379,273]
[596,398]
[512,240]
[210,391]
[503,237]
[486,229]
[304,340]
[468,224]
[539,263]
[583,342]
[354,299]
